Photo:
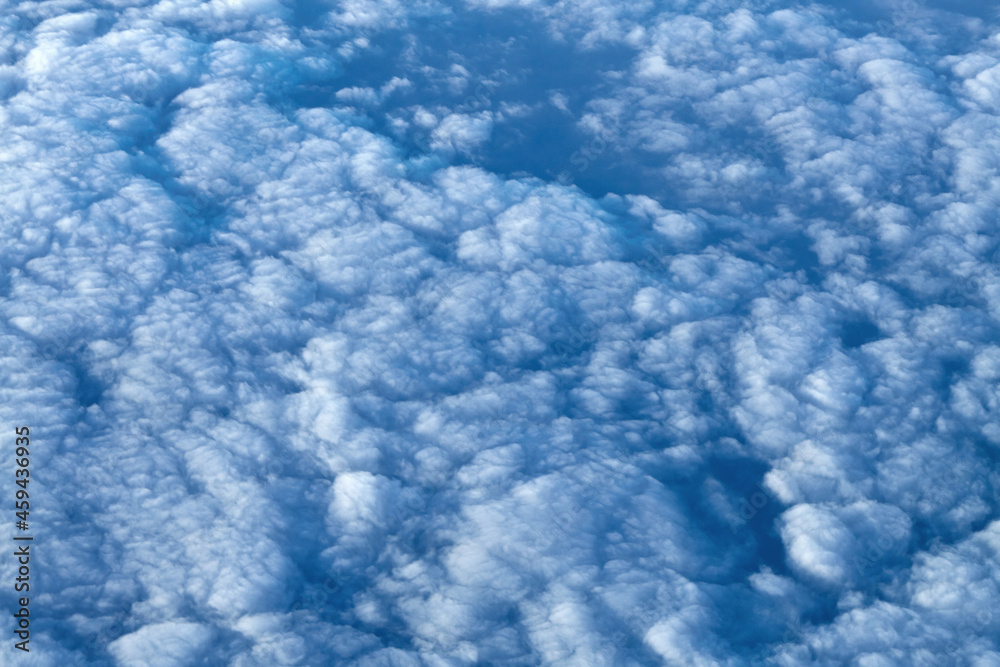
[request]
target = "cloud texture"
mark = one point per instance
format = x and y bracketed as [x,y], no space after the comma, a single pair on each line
[375,333]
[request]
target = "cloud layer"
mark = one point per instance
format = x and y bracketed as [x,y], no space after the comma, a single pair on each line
[509,333]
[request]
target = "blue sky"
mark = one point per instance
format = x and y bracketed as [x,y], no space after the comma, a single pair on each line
[504,332]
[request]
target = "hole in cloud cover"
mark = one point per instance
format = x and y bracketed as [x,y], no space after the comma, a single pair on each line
[858,332]
[503,64]
[493,332]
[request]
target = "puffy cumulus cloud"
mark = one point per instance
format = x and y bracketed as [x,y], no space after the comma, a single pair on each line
[461,132]
[943,614]
[165,644]
[321,381]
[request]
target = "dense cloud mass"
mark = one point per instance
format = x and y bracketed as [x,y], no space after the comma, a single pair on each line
[504,332]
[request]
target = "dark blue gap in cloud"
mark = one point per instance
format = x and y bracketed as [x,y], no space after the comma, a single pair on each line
[858,332]
[757,544]
[743,479]
[512,59]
